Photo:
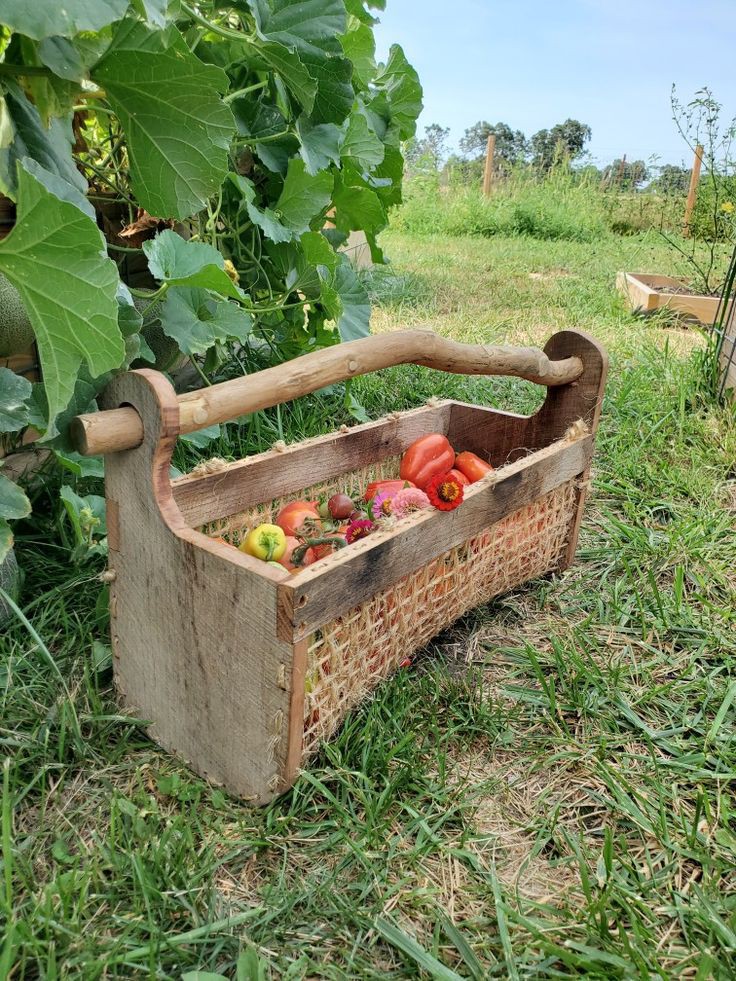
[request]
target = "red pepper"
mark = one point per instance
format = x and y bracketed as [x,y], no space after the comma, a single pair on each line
[427,456]
[472,466]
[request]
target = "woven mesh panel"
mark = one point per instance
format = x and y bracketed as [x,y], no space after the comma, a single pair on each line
[349,657]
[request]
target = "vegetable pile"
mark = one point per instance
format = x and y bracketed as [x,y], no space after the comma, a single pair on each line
[431,475]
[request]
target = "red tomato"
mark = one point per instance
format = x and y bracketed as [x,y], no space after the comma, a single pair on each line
[472,466]
[285,560]
[459,477]
[292,516]
[427,456]
[322,551]
[382,486]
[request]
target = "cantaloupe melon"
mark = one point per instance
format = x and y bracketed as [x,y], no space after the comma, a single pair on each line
[10,582]
[16,332]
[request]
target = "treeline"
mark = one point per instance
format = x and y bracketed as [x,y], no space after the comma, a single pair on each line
[560,146]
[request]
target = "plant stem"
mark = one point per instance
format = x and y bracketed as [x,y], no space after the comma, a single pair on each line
[249,88]
[267,139]
[200,372]
[226,32]
[16,71]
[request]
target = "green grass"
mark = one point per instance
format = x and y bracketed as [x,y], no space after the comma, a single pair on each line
[547,792]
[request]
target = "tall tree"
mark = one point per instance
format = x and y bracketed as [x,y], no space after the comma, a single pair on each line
[628,174]
[672,179]
[430,150]
[564,140]
[511,144]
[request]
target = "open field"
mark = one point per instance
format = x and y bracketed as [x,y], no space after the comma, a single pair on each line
[547,792]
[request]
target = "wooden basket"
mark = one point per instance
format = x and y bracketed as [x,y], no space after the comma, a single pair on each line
[243,670]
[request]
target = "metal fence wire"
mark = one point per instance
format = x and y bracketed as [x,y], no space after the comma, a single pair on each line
[724,328]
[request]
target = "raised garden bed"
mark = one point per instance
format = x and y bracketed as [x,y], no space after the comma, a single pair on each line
[647,292]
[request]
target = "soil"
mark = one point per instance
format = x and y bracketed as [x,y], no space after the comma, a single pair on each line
[680,291]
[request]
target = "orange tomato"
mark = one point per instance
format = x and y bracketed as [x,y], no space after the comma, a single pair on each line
[472,466]
[292,516]
[427,456]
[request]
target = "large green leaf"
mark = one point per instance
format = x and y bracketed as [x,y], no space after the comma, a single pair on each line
[389,173]
[266,219]
[310,29]
[258,120]
[318,251]
[197,321]
[178,129]
[335,93]
[320,144]
[361,146]
[307,26]
[303,196]
[46,18]
[359,46]
[83,397]
[173,260]
[51,148]
[13,502]
[358,207]
[288,65]
[347,302]
[292,266]
[6,539]
[15,391]
[399,83]
[63,58]
[55,258]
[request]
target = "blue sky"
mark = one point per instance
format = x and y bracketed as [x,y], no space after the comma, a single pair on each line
[531,63]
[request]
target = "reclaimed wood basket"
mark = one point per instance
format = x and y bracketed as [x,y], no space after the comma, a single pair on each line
[243,670]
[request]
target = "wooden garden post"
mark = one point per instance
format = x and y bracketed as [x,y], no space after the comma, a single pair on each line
[488,174]
[693,191]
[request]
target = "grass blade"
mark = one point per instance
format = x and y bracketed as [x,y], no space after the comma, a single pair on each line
[394,935]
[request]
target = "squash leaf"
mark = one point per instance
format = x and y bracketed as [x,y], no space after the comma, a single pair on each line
[15,391]
[347,302]
[303,196]
[177,127]
[173,260]
[26,136]
[197,321]
[66,18]
[54,256]
[13,502]
[399,83]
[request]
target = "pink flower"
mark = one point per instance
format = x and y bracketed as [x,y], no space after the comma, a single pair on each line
[382,504]
[407,501]
[358,529]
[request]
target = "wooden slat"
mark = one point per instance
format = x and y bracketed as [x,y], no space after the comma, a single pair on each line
[193,621]
[271,475]
[335,585]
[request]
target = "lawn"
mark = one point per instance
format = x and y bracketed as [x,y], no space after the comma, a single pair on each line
[546,792]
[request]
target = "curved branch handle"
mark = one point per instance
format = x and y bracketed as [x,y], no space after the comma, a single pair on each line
[122,429]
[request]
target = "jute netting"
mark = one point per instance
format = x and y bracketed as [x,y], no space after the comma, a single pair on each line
[349,657]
